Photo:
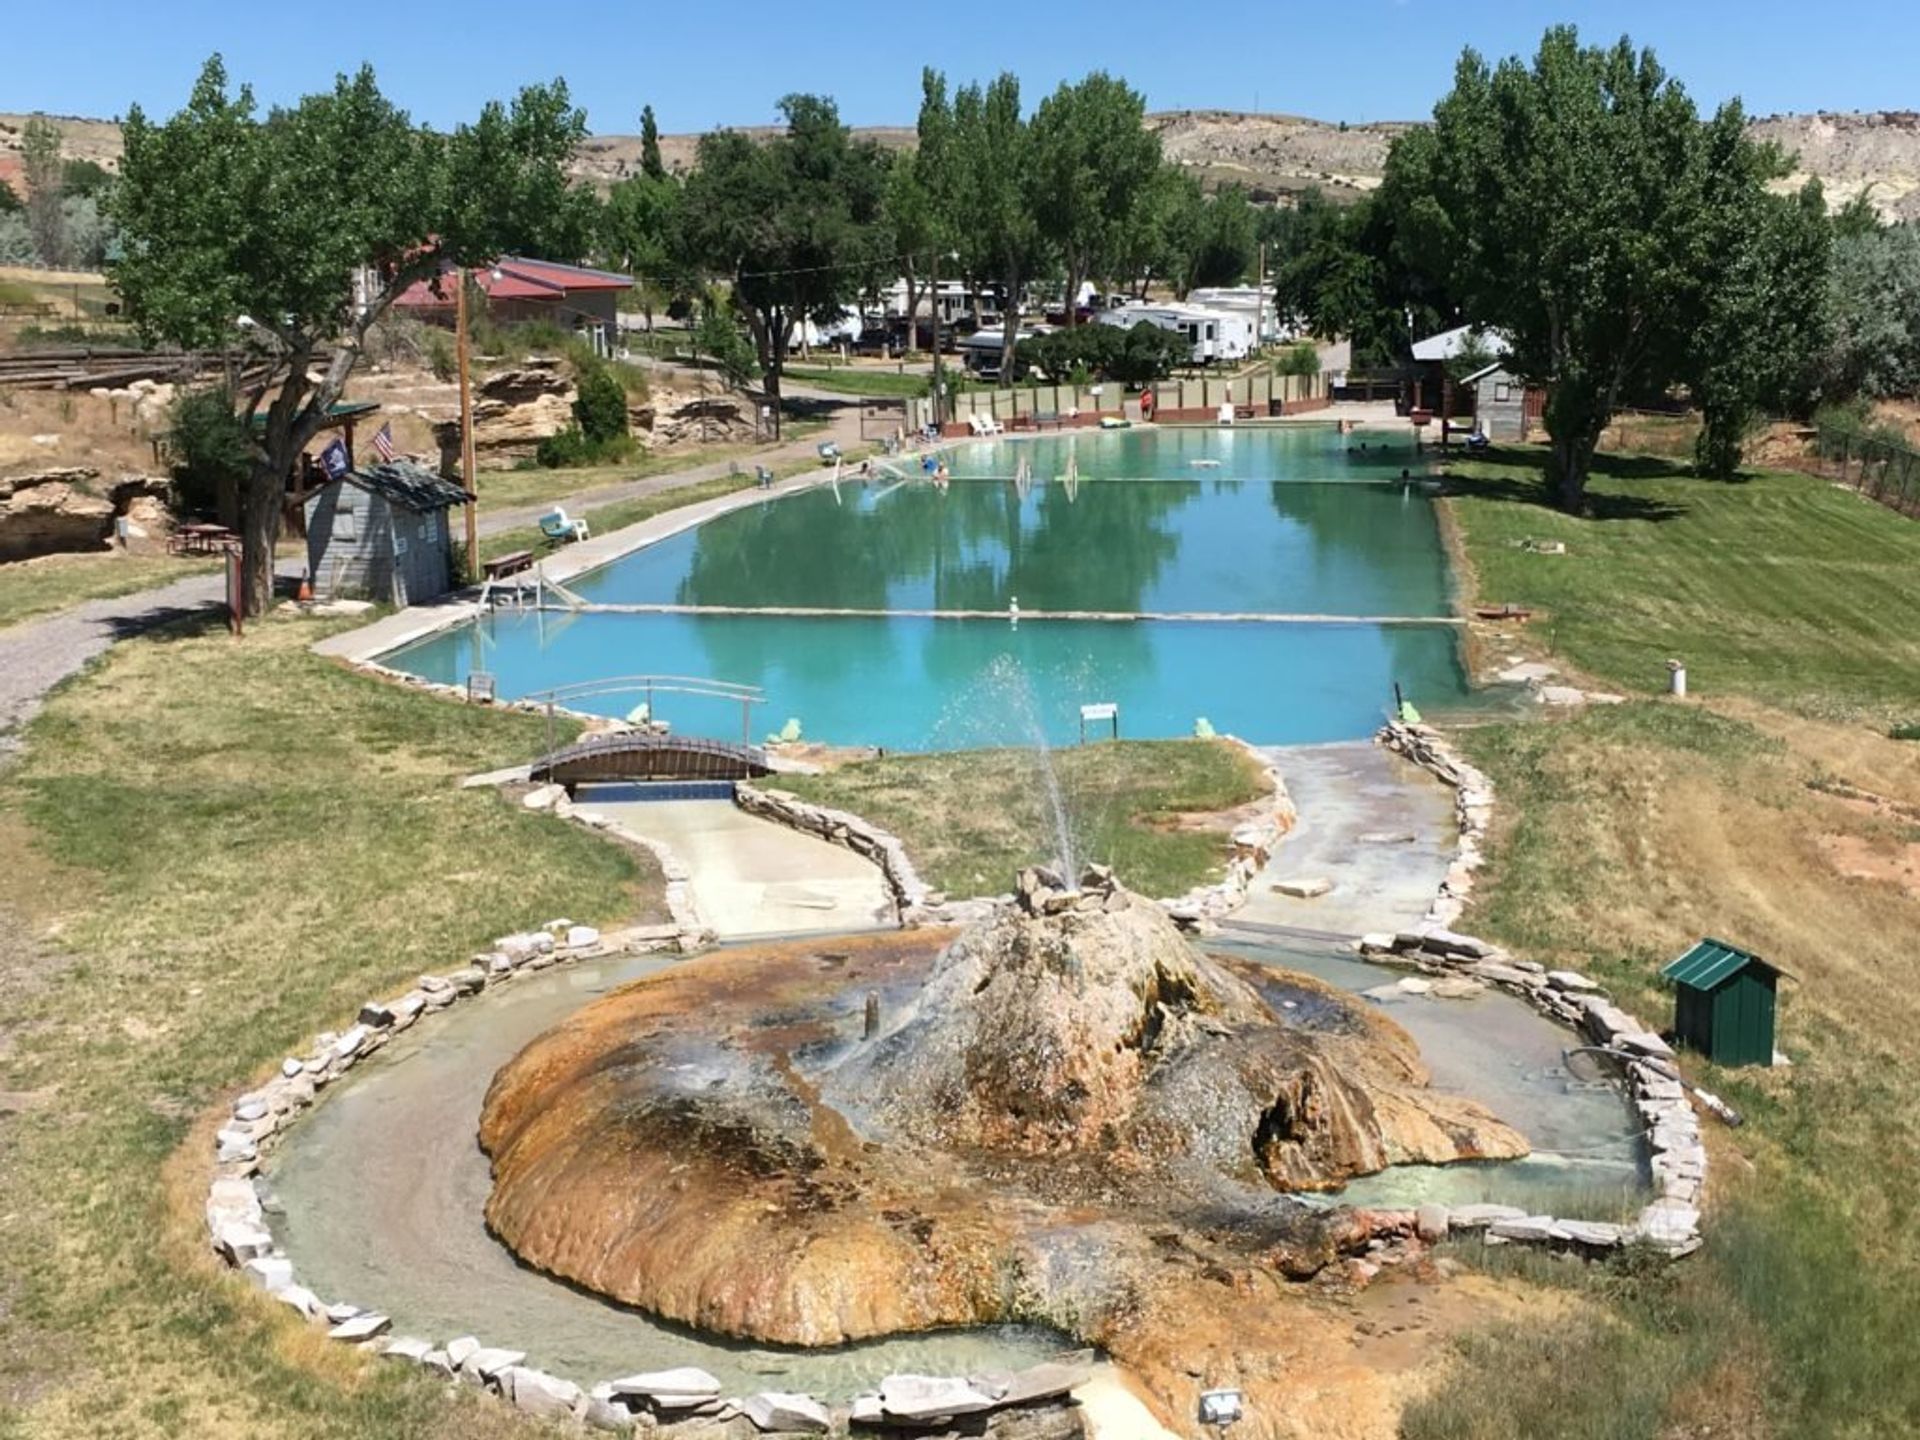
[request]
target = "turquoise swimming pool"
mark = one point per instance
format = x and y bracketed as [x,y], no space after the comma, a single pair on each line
[909,639]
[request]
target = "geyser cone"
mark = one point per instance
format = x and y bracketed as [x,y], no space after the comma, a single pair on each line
[727,1145]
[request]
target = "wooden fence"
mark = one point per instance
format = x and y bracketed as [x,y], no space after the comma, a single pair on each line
[1255,395]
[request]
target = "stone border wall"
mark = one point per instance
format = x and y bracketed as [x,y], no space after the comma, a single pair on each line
[685,1398]
[917,903]
[1671,1220]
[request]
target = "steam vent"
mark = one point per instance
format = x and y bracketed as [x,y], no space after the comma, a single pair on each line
[1064,1114]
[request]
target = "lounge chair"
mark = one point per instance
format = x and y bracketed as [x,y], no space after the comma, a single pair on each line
[763,477]
[559,529]
[829,452]
[983,425]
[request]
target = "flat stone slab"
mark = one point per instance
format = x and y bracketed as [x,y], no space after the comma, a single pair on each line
[1306,887]
[784,1412]
[686,1385]
[925,1397]
[360,1327]
[537,1393]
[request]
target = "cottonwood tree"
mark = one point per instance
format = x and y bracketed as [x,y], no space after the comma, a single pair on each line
[1568,203]
[794,224]
[651,165]
[994,160]
[1092,167]
[228,214]
[921,200]
[43,172]
[638,233]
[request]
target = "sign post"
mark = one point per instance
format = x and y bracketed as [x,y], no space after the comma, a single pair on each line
[1107,710]
[236,592]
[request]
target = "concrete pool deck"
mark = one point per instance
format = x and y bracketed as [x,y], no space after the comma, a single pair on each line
[751,878]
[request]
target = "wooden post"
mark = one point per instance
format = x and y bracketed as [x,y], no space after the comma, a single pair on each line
[939,409]
[466,442]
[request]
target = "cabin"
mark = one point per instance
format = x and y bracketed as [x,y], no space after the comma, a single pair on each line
[1211,335]
[1725,1000]
[516,290]
[382,534]
[1431,390]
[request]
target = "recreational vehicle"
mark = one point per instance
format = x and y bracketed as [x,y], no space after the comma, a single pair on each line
[1212,335]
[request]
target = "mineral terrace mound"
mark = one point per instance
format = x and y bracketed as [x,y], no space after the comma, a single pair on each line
[1055,1112]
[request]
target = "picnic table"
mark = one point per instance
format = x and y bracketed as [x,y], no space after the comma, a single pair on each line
[512,563]
[203,540]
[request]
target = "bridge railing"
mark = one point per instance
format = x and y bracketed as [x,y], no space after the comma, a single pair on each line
[647,687]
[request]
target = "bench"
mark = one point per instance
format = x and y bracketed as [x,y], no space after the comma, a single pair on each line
[513,563]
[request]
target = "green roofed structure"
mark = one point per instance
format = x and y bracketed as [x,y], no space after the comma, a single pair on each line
[1725,1003]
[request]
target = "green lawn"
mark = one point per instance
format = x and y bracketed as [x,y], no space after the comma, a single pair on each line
[57,582]
[1780,587]
[214,849]
[848,380]
[971,819]
[515,489]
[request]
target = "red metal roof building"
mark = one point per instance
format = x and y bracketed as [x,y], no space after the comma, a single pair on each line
[518,289]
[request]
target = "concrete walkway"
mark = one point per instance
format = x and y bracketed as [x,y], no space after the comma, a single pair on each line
[1378,827]
[843,428]
[751,877]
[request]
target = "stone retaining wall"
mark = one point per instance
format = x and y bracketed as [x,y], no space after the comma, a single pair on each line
[685,1402]
[1671,1221]
[917,903]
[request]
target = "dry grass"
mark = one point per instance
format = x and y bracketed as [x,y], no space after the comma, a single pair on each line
[971,819]
[215,849]
[58,582]
[73,428]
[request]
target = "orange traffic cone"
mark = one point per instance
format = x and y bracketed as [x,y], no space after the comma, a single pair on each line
[305,593]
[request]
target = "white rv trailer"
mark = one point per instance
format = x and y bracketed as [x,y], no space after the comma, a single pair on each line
[1211,334]
[1250,301]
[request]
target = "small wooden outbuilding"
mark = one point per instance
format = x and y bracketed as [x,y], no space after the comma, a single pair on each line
[1724,1004]
[382,533]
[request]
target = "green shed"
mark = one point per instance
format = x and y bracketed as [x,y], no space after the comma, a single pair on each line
[1724,1005]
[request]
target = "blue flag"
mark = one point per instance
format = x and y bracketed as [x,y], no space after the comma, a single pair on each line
[334,460]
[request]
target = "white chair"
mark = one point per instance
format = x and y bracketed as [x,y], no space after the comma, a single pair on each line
[555,526]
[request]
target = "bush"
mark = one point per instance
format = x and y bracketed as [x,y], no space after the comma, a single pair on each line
[441,358]
[1302,359]
[210,452]
[600,405]
[1106,352]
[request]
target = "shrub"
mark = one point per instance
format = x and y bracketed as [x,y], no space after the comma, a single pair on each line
[1301,359]
[440,356]
[600,405]
[210,453]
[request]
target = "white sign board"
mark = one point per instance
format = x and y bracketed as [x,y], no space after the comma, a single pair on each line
[1107,711]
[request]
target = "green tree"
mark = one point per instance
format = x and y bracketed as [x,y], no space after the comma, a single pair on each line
[40,168]
[1091,169]
[921,195]
[1871,343]
[224,227]
[209,453]
[1225,239]
[717,335]
[1568,204]
[794,224]
[85,177]
[994,163]
[638,235]
[1761,314]
[10,201]
[651,165]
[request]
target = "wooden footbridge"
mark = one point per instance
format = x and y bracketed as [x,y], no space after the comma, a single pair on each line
[647,755]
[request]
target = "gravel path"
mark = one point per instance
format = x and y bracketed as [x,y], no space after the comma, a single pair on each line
[37,655]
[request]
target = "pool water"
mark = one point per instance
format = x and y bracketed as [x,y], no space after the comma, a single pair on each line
[1281,523]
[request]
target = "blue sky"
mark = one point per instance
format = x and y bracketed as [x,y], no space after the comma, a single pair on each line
[703,64]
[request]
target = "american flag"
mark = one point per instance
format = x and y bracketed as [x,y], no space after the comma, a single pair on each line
[383,442]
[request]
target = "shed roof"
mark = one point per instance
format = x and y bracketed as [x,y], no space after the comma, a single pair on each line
[1450,343]
[1712,962]
[513,277]
[411,486]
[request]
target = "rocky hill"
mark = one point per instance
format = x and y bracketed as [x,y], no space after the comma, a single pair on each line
[1274,155]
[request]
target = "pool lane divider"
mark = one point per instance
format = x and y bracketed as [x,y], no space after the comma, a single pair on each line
[1233,617]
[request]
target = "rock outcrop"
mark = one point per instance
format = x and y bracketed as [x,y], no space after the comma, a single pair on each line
[51,512]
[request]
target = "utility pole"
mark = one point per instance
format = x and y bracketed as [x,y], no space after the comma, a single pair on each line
[939,417]
[1260,304]
[466,429]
